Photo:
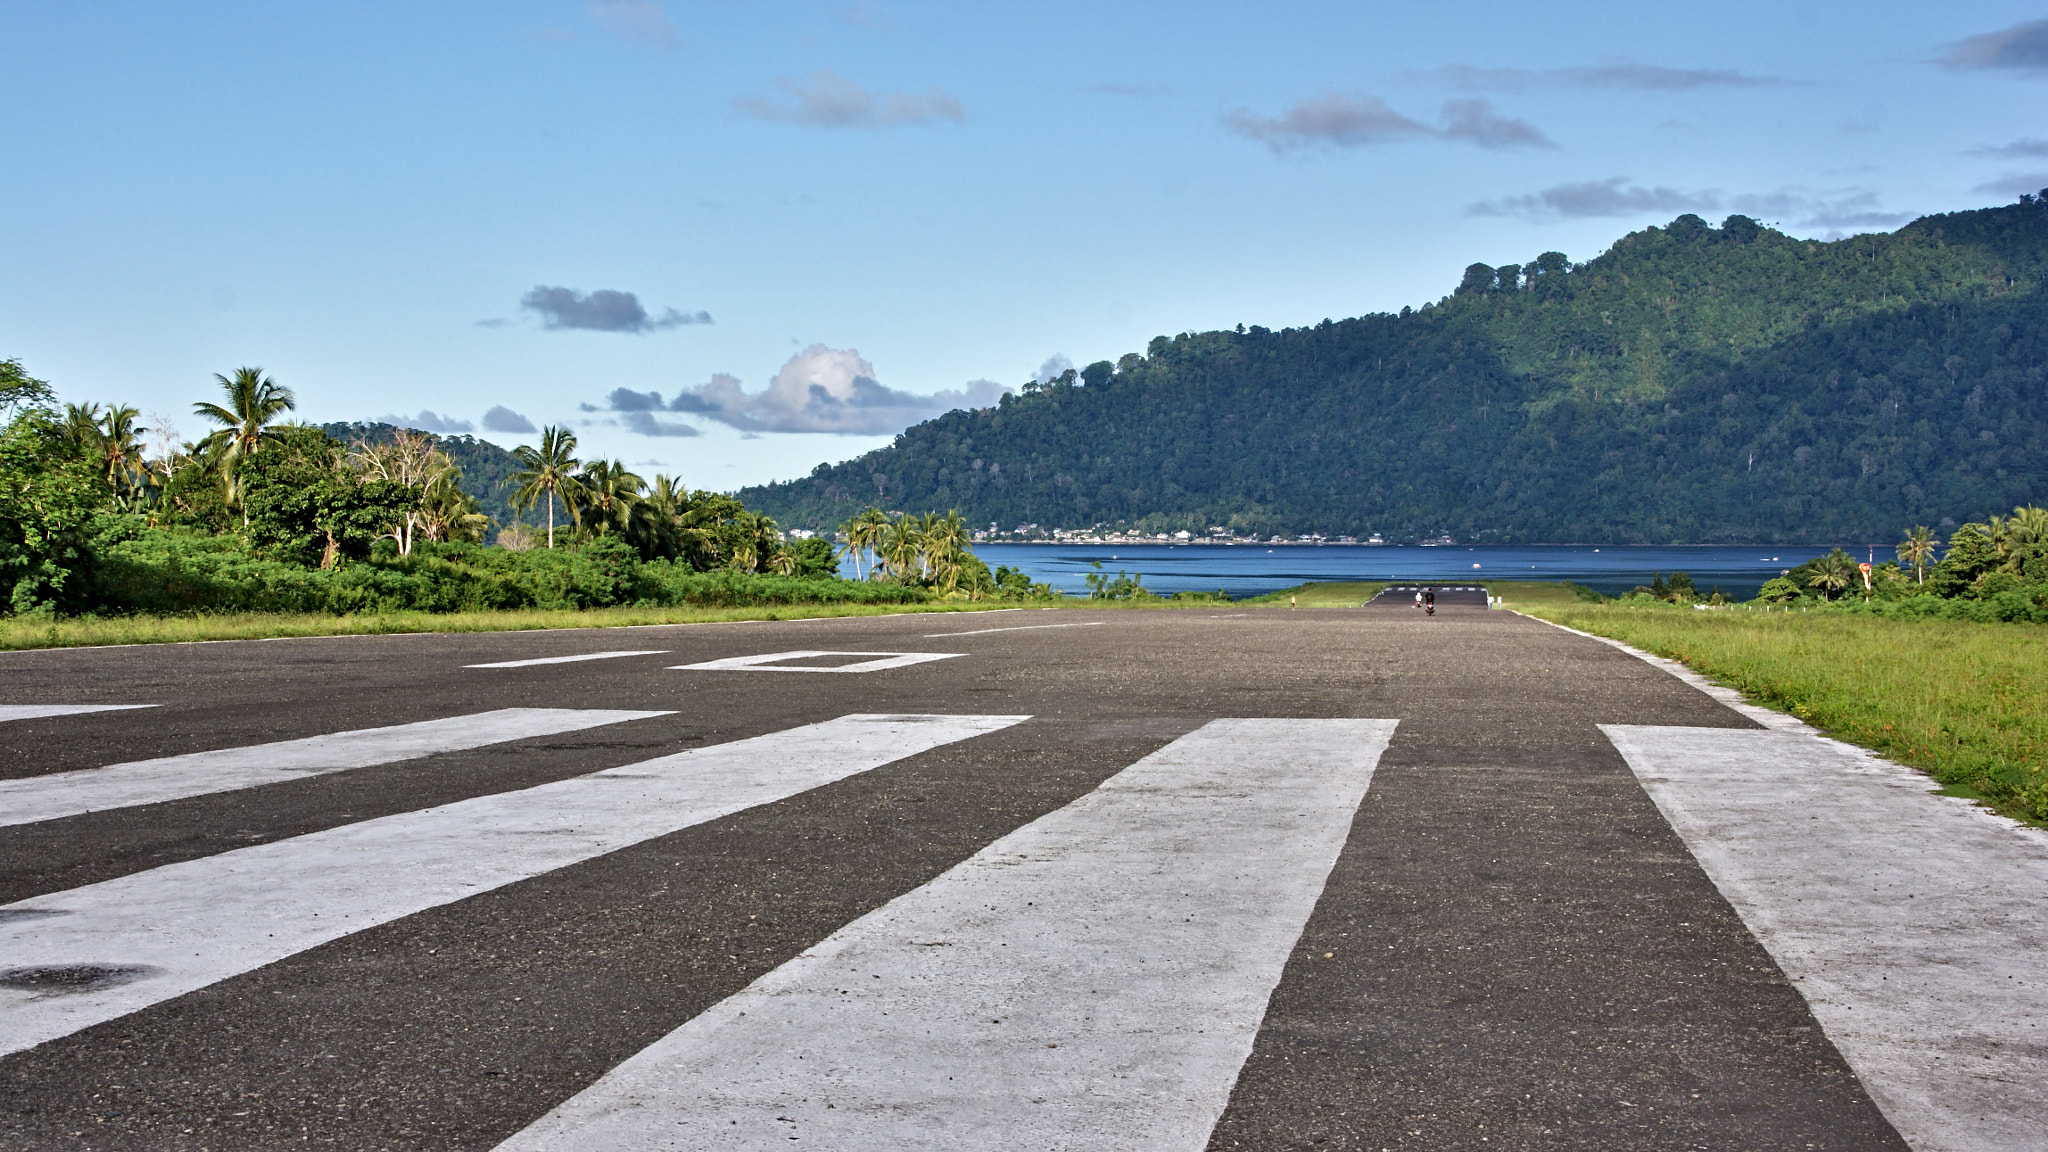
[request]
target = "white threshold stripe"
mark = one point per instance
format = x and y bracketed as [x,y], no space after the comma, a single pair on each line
[767,661]
[1016,628]
[60,794]
[36,711]
[1912,923]
[568,659]
[1093,980]
[170,930]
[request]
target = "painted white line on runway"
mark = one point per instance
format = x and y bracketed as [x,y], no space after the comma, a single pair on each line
[568,659]
[168,931]
[768,662]
[74,793]
[36,711]
[1912,923]
[1016,628]
[1093,980]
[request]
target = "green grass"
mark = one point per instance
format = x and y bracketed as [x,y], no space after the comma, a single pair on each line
[1529,595]
[1326,594]
[1965,702]
[18,632]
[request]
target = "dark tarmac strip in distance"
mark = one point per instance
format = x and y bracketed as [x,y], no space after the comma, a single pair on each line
[1511,935]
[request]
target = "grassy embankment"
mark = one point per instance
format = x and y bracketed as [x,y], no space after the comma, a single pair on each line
[18,632]
[1967,703]
[1331,594]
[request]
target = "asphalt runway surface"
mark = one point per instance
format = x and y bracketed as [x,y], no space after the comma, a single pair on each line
[1329,879]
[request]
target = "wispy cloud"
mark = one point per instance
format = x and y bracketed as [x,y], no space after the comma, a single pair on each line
[605,310]
[648,424]
[1626,77]
[2016,184]
[825,389]
[637,20]
[1618,196]
[2021,48]
[1354,120]
[503,419]
[2027,148]
[1615,196]
[428,422]
[1053,366]
[825,99]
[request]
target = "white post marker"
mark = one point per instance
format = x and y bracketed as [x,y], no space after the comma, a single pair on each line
[1913,924]
[60,794]
[37,711]
[1093,980]
[77,958]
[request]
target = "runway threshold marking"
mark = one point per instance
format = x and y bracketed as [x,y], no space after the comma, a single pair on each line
[768,661]
[36,711]
[61,794]
[568,659]
[92,954]
[1094,979]
[1015,628]
[1912,923]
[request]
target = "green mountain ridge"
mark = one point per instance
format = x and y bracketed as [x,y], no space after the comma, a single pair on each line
[1692,384]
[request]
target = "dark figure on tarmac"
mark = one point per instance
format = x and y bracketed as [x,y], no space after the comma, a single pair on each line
[1429,601]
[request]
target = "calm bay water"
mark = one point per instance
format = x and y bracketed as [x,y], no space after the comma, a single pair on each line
[1243,570]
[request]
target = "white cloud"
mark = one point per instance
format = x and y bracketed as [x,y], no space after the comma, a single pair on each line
[1053,366]
[827,390]
[503,419]
[428,422]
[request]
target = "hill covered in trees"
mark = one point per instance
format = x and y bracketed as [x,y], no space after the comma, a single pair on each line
[1692,384]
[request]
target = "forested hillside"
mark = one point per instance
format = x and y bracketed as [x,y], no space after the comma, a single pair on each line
[1692,384]
[486,468]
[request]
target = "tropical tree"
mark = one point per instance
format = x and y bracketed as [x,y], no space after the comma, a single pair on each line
[411,460]
[1833,573]
[864,533]
[902,547]
[1917,551]
[549,473]
[947,541]
[255,403]
[610,492]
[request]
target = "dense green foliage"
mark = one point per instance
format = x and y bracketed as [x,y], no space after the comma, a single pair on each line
[1693,384]
[265,516]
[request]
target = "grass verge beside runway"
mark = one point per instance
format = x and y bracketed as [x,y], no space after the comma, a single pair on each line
[1965,702]
[1329,594]
[19,632]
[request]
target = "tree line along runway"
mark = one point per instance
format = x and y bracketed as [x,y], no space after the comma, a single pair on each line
[1329,879]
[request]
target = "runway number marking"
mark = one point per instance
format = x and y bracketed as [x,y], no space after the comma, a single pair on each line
[183,926]
[60,794]
[771,662]
[567,659]
[36,711]
[1094,979]
[1015,628]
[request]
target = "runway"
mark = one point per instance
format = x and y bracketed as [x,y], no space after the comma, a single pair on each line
[1330,879]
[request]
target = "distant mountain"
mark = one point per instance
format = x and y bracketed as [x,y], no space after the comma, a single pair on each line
[486,468]
[1693,384]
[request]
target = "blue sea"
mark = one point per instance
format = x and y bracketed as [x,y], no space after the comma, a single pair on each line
[1249,570]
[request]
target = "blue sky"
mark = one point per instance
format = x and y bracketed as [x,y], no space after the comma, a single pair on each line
[792,228]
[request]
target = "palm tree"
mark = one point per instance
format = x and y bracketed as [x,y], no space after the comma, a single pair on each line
[255,402]
[946,544]
[549,473]
[122,448]
[1917,550]
[902,546]
[611,491]
[1833,573]
[864,534]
